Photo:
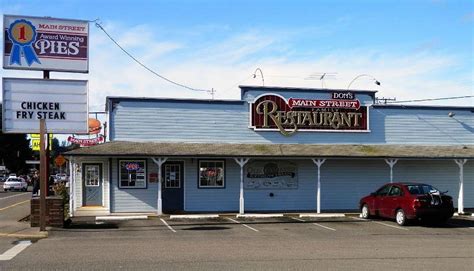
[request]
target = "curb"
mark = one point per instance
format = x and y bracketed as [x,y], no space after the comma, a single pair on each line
[121,218]
[259,215]
[193,216]
[322,215]
[40,235]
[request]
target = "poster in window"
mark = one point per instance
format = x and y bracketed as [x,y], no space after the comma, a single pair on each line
[271,175]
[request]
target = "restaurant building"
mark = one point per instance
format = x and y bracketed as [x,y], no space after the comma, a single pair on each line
[276,149]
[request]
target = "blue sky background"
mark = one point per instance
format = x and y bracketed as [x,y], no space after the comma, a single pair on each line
[416,49]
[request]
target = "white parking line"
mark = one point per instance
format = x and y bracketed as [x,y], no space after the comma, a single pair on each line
[245,225]
[392,226]
[298,219]
[317,224]
[15,195]
[12,252]
[167,225]
[381,223]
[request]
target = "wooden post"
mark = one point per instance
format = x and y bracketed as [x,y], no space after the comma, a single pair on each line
[43,175]
[241,162]
[318,163]
[159,205]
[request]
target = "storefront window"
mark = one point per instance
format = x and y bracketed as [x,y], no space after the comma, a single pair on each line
[132,174]
[211,174]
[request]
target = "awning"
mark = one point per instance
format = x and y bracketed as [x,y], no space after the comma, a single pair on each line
[223,150]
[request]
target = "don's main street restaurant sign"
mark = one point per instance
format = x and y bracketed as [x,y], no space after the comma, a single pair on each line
[42,43]
[342,112]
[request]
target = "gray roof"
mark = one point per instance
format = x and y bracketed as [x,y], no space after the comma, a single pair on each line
[153,149]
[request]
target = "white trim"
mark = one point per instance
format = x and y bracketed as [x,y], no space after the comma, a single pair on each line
[197,216]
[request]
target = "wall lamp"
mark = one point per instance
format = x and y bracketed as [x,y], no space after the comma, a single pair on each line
[261,74]
[364,75]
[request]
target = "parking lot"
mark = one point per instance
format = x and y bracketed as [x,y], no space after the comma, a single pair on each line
[290,242]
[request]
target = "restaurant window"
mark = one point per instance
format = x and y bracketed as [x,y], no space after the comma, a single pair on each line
[132,174]
[211,174]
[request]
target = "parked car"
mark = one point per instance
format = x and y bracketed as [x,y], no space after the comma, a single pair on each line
[408,201]
[15,184]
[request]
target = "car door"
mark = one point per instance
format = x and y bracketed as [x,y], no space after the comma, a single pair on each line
[392,201]
[379,199]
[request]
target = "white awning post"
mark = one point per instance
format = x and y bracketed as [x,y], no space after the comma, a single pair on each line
[71,185]
[159,162]
[241,162]
[391,163]
[461,163]
[319,163]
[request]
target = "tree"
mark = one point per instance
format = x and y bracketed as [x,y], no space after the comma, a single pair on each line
[14,150]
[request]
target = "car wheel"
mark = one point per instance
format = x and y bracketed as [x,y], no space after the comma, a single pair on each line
[365,213]
[401,218]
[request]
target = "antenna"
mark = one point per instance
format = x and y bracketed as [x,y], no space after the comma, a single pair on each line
[321,77]
[212,92]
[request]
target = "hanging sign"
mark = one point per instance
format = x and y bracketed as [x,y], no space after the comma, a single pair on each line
[86,142]
[35,142]
[271,175]
[271,112]
[94,126]
[42,43]
[62,103]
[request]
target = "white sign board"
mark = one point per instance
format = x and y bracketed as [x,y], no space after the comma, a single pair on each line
[41,43]
[62,103]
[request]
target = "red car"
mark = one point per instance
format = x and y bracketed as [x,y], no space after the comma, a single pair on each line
[407,201]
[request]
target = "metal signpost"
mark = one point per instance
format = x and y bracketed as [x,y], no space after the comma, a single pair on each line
[58,106]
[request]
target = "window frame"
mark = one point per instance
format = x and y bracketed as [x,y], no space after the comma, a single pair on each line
[180,177]
[85,165]
[120,177]
[199,186]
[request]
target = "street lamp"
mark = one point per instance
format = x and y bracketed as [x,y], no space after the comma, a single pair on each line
[362,75]
[261,74]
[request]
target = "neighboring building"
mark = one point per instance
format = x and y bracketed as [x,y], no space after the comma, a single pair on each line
[276,149]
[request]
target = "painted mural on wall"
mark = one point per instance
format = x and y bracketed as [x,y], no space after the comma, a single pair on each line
[340,112]
[271,175]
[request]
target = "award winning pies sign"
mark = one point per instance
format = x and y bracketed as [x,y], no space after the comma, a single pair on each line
[341,113]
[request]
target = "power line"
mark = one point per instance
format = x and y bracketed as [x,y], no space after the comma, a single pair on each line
[98,25]
[432,99]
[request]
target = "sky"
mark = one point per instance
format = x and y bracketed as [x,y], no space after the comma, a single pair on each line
[416,49]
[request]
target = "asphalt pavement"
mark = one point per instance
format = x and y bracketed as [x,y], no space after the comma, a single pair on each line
[229,243]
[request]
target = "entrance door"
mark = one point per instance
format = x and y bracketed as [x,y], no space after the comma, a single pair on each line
[173,192]
[92,188]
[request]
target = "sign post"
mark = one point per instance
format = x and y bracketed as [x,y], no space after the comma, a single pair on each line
[43,175]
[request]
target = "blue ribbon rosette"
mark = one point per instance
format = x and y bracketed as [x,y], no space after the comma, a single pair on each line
[22,44]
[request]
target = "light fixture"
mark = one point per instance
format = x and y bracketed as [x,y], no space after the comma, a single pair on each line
[377,82]
[261,74]
[451,114]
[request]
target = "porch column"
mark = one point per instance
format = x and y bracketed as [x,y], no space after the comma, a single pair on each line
[391,163]
[159,162]
[461,163]
[241,162]
[319,163]
[71,186]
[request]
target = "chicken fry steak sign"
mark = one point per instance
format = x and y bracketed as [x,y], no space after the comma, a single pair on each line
[271,112]
[63,104]
[41,43]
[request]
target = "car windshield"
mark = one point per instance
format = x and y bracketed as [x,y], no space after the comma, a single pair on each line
[421,189]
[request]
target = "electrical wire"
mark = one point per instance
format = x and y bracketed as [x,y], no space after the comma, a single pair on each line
[432,99]
[98,25]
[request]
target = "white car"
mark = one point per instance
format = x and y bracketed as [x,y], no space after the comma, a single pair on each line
[61,177]
[15,184]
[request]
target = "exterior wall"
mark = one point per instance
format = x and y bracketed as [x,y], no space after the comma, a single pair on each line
[78,181]
[160,121]
[133,199]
